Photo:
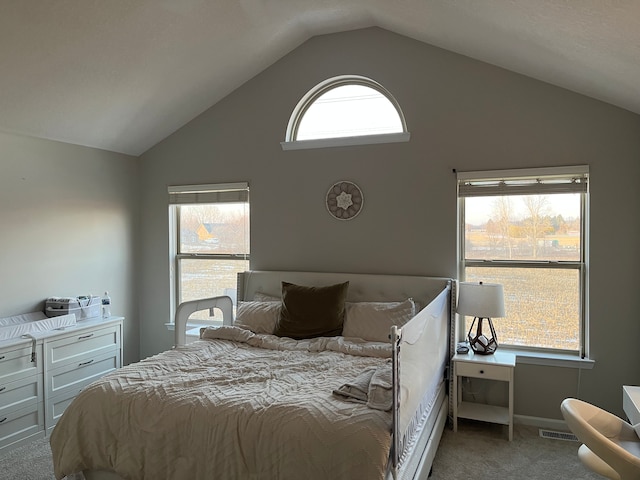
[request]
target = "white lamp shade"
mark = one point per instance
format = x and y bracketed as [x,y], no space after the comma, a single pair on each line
[483,300]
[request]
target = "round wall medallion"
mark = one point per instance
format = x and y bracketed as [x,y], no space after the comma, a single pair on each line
[344,200]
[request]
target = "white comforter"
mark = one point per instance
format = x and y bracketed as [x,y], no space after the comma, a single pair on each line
[234,406]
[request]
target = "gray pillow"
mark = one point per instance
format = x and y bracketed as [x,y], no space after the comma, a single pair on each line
[309,312]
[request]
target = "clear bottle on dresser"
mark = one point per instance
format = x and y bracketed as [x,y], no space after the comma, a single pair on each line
[106,305]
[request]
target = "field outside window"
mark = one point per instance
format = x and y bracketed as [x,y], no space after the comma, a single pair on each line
[213,247]
[532,245]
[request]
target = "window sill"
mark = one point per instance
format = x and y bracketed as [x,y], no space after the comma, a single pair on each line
[549,359]
[172,326]
[346,141]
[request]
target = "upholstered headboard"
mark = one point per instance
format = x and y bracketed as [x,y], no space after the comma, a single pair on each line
[363,287]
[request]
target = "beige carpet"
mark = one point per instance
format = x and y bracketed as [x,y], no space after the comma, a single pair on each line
[28,462]
[478,451]
[482,451]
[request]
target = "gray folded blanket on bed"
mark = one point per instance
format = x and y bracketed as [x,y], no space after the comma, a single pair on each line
[372,387]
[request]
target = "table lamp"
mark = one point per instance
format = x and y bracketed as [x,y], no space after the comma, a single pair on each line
[481,301]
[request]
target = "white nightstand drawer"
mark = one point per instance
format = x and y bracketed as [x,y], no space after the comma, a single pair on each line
[73,348]
[476,370]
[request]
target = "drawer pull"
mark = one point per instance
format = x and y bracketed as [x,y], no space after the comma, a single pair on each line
[85,363]
[3,419]
[85,336]
[2,357]
[2,389]
[482,372]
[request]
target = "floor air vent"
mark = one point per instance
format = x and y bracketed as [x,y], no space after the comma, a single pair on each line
[558,435]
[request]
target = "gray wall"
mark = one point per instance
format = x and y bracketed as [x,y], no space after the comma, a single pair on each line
[462,114]
[68,224]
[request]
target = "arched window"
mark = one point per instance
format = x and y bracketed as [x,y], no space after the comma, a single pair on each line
[345,110]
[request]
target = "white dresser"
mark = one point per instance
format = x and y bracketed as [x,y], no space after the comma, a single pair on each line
[35,389]
[21,393]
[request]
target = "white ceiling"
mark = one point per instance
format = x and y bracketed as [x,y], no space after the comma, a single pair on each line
[121,75]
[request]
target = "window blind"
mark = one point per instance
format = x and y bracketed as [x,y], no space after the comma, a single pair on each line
[211,193]
[524,182]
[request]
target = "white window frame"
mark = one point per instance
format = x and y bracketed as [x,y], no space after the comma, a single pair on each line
[189,195]
[290,142]
[550,180]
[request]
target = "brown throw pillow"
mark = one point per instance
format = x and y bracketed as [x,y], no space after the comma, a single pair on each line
[309,312]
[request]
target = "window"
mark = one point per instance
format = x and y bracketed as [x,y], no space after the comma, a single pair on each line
[527,229]
[345,110]
[209,241]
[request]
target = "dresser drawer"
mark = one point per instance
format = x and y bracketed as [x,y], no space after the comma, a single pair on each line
[20,394]
[75,376]
[492,372]
[72,349]
[16,363]
[56,406]
[21,424]
[55,409]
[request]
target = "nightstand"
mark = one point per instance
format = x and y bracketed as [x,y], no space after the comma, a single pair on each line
[498,366]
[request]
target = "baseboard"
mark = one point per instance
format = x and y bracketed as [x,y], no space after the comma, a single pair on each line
[550,423]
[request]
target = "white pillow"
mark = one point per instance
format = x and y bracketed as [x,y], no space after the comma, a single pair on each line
[265,297]
[372,321]
[259,317]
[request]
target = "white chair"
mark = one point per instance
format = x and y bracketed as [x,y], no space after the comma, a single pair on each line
[610,447]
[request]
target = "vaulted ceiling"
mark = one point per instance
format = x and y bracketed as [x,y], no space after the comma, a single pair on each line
[121,75]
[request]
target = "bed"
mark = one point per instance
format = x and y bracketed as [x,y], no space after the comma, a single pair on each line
[244,403]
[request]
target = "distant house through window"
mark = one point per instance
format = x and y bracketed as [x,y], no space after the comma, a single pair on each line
[345,110]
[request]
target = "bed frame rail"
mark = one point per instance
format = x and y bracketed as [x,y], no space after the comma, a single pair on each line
[185,309]
[413,356]
[396,338]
